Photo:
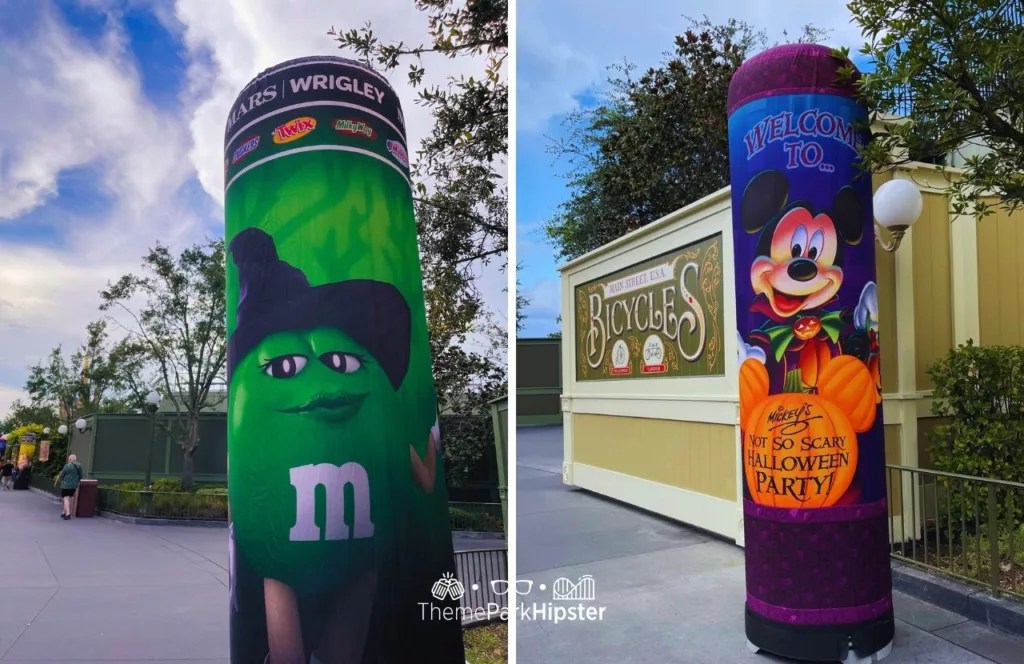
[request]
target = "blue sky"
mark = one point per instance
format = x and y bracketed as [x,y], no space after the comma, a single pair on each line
[563,51]
[110,139]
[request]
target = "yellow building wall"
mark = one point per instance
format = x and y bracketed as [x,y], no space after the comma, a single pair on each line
[933,295]
[885,266]
[1001,279]
[695,456]
[893,457]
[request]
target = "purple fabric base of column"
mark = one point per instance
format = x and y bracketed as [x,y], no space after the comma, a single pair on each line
[844,616]
[818,567]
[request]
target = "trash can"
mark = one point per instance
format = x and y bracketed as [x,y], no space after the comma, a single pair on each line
[85,498]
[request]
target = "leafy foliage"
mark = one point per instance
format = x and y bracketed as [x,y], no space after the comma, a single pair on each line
[461,199]
[462,203]
[953,71]
[657,142]
[181,329]
[982,390]
[22,414]
[98,377]
[464,439]
[522,302]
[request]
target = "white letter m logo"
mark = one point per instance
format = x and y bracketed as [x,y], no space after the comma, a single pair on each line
[305,479]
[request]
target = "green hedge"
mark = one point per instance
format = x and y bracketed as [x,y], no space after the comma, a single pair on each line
[981,391]
[164,503]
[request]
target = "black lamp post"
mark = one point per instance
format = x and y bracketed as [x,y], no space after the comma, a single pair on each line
[152,403]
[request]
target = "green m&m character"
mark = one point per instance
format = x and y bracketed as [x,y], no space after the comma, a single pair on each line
[339,518]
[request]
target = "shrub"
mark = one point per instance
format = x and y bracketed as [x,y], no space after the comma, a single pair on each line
[982,390]
[167,485]
[172,505]
[462,519]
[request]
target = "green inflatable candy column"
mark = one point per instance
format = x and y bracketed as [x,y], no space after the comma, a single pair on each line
[339,515]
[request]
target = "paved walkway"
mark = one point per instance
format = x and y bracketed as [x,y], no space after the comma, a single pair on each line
[672,594]
[95,590]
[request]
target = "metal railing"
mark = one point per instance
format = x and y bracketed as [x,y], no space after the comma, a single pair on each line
[966,527]
[43,483]
[482,601]
[479,517]
[164,505]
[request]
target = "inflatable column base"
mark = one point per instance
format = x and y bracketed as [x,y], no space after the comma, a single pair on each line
[860,643]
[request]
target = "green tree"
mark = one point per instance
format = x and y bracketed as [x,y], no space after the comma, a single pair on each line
[92,379]
[953,71]
[557,334]
[22,414]
[181,329]
[134,375]
[461,201]
[522,302]
[657,142]
[460,196]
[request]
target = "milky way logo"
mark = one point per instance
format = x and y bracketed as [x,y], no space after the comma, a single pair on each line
[245,148]
[293,130]
[354,128]
[397,150]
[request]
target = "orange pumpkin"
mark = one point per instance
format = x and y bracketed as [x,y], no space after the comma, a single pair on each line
[753,386]
[799,451]
[847,383]
[813,358]
[806,328]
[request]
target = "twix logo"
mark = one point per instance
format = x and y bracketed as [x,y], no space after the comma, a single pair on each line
[294,129]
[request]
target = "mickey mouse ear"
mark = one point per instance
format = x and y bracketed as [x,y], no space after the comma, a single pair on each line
[766,194]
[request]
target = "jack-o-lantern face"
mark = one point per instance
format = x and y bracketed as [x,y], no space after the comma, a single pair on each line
[799,451]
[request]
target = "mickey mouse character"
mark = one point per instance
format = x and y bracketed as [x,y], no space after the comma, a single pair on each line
[800,250]
[798,272]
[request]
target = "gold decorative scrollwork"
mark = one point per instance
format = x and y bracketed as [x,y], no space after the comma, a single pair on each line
[671,358]
[711,271]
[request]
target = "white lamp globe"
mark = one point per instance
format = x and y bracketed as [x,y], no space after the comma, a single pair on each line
[46,431]
[62,429]
[80,424]
[153,398]
[898,204]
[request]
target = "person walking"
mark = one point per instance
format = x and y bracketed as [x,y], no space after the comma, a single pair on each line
[7,474]
[68,480]
[23,474]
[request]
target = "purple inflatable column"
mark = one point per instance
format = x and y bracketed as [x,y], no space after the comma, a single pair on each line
[819,586]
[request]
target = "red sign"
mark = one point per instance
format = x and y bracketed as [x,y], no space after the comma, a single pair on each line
[652,368]
[617,371]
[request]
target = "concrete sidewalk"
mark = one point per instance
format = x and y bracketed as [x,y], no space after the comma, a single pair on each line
[672,594]
[95,590]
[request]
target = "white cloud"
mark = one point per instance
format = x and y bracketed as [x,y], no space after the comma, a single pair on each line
[564,47]
[78,105]
[233,40]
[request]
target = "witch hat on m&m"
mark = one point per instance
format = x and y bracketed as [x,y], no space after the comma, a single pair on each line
[277,297]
